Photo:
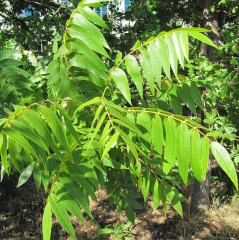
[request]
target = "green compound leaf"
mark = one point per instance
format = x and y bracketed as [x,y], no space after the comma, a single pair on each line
[184,94]
[157,134]
[172,54]
[225,162]
[56,126]
[202,38]
[173,196]
[62,215]
[76,192]
[92,16]
[195,159]
[170,146]
[25,175]
[135,73]
[130,213]
[204,155]
[47,222]
[68,202]
[7,53]
[3,149]
[154,54]
[20,139]
[178,47]
[147,69]
[122,83]
[183,150]
[156,194]
[164,55]
[113,164]
[112,142]
[145,185]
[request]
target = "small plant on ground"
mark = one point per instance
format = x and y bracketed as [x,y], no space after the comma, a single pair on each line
[120,231]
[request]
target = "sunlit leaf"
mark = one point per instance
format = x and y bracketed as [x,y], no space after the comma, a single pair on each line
[145,185]
[101,121]
[178,48]
[184,44]
[204,155]
[68,202]
[3,149]
[55,125]
[21,140]
[202,38]
[92,16]
[111,143]
[47,222]
[195,157]
[81,21]
[183,150]
[23,127]
[83,48]
[144,123]
[154,54]
[156,194]
[164,56]
[12,146]
[76,31]
[173,197]
[25,175]
[170,146]
[157,134]
[76,192]
[122,83]
[147,69]
[225,162]
[61,214]
[172,54]
[135,73]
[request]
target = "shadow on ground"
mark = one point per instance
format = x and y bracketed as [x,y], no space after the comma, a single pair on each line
[21,213]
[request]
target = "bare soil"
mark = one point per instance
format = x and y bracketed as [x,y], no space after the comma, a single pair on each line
[21,213]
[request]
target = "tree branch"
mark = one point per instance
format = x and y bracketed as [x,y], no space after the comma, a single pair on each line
[52,6]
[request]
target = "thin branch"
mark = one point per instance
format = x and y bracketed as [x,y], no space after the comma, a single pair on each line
[55,7]
[61,6]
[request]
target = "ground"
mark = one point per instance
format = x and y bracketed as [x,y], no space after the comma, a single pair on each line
[21,213]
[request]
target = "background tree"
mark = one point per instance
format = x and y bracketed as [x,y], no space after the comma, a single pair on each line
[43,21]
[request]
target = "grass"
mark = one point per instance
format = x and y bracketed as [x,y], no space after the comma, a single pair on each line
[220,222]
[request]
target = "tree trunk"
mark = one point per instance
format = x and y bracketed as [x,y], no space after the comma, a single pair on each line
[210,21]
[200,199]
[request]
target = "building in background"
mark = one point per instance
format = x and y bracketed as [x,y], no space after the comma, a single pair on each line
[122,5]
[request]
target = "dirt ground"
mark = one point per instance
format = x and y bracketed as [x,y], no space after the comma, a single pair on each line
[21,213]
